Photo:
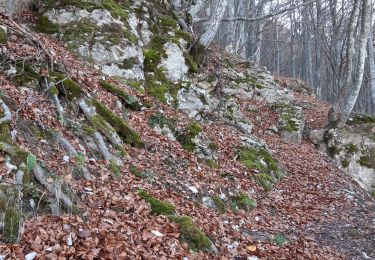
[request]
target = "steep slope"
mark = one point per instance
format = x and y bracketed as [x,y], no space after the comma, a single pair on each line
[210,165]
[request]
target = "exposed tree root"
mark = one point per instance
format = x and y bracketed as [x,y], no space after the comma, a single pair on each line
[40,175]
[59,108]
[101,125]
[7,114]
[73,153]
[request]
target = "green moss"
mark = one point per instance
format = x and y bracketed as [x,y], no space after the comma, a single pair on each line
[265,180]
[44,25]
[359,119]
[158,207]
[345,163]
[261,160]
[354,233]
[219,203]
[128,63]
[129,101]
[351,148]
[116,171]
[243,201]
[212,163]
[3,36]
[368,159]
[191,234]
[184,35]
[17,155]
[25,73]
[9,206]
[128,135]
[68,87]
[279,240]
[185,139]
[12,220]
[288,114]
[134,170]
[211,78]
[197,52]
[168,22]
[159,119]
[192,64]
[373,193]
[333,151]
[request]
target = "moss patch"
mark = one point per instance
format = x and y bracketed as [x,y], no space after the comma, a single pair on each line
[158,207]
[129,101]
[44,25]
[159,119]
[116,171]
[243,201]
[288,115]
[25,73]
[191,234]
[67,86]
[128,135]
[219,203]
[260,159]
[185,139]
[9,206]
[368,159]
[3,36]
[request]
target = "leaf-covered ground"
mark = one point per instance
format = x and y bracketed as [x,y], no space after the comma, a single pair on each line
[314,212]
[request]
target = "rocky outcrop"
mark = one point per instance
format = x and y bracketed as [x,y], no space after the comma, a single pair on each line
[352,148]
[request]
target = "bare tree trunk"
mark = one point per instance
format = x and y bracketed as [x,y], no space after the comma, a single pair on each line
[371,64]
[349,94]
[216,16]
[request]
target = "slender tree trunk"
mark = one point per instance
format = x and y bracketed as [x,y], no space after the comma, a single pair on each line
[371,65]
[217,13]
[349,94]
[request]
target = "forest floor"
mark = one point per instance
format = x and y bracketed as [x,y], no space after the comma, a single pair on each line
[314,212]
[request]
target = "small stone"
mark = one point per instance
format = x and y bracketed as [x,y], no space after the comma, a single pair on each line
[193,189]
[157,233]
[31,256]
[84,233]
[66,158]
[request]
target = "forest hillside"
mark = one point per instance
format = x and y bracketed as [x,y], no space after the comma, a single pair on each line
[121,137]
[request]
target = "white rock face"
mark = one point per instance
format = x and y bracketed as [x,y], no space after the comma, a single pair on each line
[189,100]
[174,64]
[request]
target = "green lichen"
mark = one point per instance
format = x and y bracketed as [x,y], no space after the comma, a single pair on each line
[244,202]
[158,207]
[185,139]
[191,234]
[3,36]
[279,240]
[128,135]
[129,101]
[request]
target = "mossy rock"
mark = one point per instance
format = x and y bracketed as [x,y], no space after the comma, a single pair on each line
[359,119]
[127,134]
[158,207]
[129,101]
[244,202]
[3,36]
[17,155]
[192,235]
